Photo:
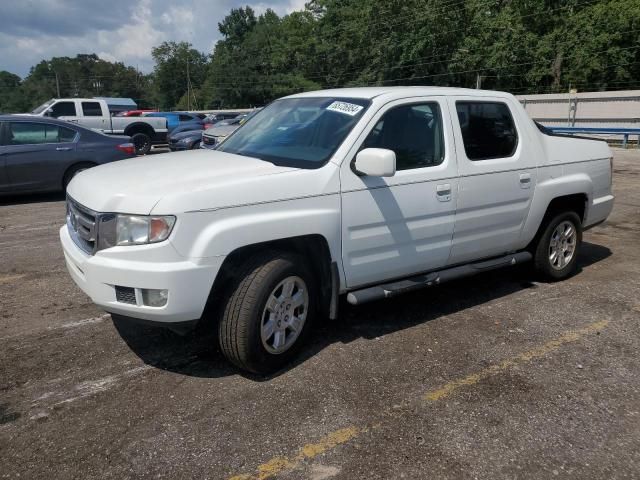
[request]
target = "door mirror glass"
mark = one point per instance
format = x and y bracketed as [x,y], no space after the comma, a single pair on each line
[376,162]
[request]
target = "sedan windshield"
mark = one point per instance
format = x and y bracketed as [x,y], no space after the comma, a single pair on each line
[299,132]
[42,107]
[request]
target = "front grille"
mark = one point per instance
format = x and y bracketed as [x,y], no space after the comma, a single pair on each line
[126,295]
[208,140]
[81,223]
[173,140]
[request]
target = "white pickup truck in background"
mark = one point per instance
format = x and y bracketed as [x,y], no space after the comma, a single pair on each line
[364,192]
[94,113]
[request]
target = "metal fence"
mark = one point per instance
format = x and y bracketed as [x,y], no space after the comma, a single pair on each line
[616,114]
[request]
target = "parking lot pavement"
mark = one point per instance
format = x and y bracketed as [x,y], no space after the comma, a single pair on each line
[491,377]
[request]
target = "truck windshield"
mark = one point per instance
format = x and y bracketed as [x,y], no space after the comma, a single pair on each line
[43,107]
[297,132]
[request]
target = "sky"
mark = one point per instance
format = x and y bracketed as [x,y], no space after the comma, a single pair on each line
[116,30]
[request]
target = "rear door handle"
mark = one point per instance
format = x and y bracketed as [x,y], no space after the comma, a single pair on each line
[443,192]
[63,149]
[525,180]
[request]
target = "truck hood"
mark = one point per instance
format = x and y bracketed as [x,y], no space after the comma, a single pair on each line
[173,183]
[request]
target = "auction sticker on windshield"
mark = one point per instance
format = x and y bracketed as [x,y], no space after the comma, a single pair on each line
[350,109]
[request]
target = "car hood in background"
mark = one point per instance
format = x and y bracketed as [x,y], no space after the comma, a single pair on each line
[186,134]
[221,131]
[173,183]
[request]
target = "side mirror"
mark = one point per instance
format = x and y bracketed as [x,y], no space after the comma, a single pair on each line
[376,162]
[48,112]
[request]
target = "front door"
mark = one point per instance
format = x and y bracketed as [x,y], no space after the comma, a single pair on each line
[497,177]
[36,154]
[401,225]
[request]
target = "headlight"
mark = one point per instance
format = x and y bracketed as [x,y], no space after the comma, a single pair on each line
[139,229]
[115,229]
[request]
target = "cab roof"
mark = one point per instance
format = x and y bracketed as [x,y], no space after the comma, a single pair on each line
[373,92]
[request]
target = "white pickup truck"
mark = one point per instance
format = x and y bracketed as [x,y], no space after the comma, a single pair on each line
[94,113]
[364,192]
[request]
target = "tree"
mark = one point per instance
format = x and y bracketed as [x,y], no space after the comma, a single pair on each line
[179,69]
[12,98]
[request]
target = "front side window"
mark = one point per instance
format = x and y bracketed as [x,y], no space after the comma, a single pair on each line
[413,132]
[91,109]
[186,118]
[487,129]
[63,109]
[300,132]
[25,133]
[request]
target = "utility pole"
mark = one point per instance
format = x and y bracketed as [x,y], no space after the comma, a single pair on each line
[57,84]
[188,85]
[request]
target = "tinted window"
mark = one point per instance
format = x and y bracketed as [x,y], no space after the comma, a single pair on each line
[413,132]
[186,118]
[25,133]
[64,109]
[91,109]
[488,130]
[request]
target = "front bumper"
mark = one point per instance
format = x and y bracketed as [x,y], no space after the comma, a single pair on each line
[158,266]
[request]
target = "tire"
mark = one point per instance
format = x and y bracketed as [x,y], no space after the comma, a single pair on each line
[72,172]
[243,330]
[141,142]
[562,236]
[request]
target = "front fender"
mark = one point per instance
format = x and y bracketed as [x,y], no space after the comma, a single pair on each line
[219,232]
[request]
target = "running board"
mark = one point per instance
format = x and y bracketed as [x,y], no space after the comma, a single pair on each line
[358,297]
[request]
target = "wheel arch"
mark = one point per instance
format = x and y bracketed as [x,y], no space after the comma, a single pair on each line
[74,166]
[314,248]
[574,202]
[139,127]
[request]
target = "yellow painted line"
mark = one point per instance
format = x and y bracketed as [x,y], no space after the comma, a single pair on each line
[11,278]
[279,465]
[538,352]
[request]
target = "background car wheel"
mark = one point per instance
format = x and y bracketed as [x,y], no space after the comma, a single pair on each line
[269,312]
[141,142]
[556,253]
[72,172]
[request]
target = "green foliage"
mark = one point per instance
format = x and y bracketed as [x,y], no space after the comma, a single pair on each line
[176,65]
[521,46]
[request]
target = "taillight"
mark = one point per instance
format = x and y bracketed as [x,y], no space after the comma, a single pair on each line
[206,125]
[127,148]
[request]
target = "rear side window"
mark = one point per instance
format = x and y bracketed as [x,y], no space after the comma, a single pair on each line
[186,118]
[91,109]
[488,130]
[25,133]
[413,132]
[63,109]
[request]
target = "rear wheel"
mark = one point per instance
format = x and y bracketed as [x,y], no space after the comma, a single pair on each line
[269,313]
[556,252]
[141,142]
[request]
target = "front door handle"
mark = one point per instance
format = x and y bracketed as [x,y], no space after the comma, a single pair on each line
[443,192]
[63,149]
[525,180]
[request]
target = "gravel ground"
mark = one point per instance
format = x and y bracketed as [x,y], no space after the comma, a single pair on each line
[492,377]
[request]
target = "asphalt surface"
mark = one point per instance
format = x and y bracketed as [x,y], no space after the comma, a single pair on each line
[492,377]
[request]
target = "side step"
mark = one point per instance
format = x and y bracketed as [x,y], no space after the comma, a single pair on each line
[358,297]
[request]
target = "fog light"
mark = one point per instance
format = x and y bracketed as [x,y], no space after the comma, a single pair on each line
[154,298]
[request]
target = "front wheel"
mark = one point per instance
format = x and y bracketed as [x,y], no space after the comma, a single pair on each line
[268,313]
[556,253]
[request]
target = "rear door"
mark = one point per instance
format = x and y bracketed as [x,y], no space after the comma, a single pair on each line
[37,154]
[93,116]
[497,177]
